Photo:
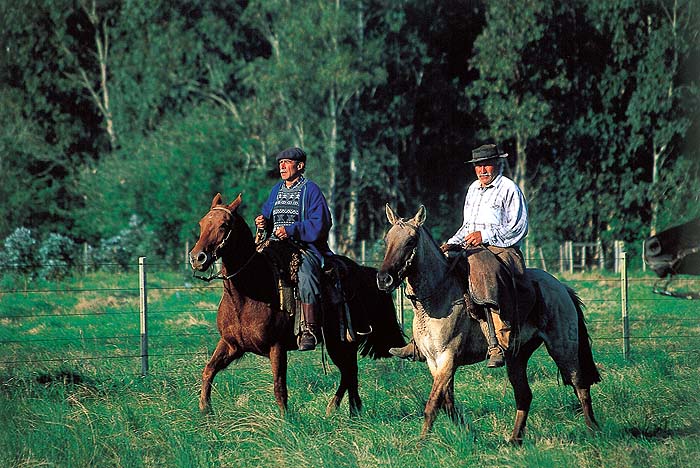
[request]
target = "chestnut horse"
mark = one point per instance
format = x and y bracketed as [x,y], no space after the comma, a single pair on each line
[448,336]
[250,318]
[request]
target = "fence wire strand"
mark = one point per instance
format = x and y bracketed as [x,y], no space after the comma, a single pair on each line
[601,292]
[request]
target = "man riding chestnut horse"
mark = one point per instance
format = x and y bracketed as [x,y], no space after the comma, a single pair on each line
[296,209]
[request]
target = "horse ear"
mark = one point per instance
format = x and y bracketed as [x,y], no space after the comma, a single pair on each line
[217,200]
[419,218]
[236,203]
[390,215]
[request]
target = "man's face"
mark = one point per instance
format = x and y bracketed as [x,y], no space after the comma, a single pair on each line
[486,171]
[290,170]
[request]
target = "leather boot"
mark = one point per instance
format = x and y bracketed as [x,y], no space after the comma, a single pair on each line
[310,331]
[410,352]
[497,328]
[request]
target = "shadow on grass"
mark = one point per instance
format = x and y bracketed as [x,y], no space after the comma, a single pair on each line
[661,433]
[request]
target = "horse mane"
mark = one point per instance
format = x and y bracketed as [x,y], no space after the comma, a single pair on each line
[430,240]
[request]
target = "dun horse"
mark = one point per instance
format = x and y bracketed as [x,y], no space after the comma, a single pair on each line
[250,318]
[447,335]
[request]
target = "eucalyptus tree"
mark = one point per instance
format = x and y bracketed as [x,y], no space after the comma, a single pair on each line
[521,73]
[663,101]
[44,136]
[648,97]
[319,58]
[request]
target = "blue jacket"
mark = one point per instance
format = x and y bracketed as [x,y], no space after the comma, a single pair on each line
[314,219]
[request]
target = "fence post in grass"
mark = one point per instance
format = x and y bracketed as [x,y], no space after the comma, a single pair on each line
[143,306]
[85,258]
[623,304]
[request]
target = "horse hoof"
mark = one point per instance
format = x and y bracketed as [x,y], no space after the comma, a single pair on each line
[333,405]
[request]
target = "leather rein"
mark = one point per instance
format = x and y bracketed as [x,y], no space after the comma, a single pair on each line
[401,274]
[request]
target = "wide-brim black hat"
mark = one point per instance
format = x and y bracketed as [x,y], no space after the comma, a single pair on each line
[486,152]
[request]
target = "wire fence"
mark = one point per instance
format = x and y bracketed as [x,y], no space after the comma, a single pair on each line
[96,318]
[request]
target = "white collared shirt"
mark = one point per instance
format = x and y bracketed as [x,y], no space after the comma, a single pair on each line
[498,210]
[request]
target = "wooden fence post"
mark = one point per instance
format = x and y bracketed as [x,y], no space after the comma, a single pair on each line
[143,306]
[624,306]
[619,246]
[561,258]
[85,258]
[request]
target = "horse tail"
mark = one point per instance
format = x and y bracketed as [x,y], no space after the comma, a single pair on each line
[381,314]
[588,370]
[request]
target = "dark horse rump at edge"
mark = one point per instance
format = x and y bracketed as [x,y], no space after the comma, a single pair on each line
[249,318]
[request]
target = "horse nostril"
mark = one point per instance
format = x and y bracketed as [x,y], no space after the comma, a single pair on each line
[201,257]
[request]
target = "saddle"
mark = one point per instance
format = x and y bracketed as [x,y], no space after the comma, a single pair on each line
[338,289]
[285,260]
[511,296]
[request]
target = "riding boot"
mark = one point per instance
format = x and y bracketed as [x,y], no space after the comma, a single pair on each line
[310,331]
[495,354]
[502,331]
[410,352]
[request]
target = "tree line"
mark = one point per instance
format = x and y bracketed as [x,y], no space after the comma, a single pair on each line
[121,108]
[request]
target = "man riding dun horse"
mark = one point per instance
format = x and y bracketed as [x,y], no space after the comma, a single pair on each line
[495,222]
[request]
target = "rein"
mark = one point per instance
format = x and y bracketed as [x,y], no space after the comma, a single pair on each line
[218,274]
[401,273]
[414,298]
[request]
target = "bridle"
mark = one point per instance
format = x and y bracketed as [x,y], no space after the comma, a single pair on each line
[217,249]
[401,272]
[215,252]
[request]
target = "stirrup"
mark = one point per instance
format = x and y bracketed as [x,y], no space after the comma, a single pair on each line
[307,341]
[495,357]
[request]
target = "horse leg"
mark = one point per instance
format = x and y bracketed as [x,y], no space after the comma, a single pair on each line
[222,356]
[441,395]
[334,403]
[517,375]
[278,361]
[577,370]
[344,356]
[584,396]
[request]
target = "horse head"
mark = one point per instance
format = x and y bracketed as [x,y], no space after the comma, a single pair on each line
[401,244]
[217,229]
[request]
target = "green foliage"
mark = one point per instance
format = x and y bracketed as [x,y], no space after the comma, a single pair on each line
[113,109]
[124,249]
[19,251]
[169,179]
[57,255]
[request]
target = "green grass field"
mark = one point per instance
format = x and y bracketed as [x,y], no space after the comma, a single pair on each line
[71,393]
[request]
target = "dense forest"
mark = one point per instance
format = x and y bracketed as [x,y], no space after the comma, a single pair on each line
[122,114]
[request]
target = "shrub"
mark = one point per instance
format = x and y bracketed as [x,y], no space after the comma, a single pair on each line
[57,255]
[19,251]
[125,248]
